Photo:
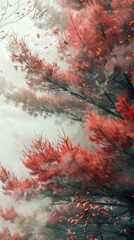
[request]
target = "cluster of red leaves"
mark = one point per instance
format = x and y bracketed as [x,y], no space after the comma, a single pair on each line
[126,109]
[15,187]
[113,132]
[95,32]
[47,161]
[9,214]
[5,234]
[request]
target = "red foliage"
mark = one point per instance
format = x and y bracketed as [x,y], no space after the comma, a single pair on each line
[5,234]
[9,214]
[126,109]
[88,188]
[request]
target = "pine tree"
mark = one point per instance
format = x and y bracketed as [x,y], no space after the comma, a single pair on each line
[91,192]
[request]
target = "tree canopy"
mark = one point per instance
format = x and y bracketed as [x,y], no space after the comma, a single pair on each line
[90,191]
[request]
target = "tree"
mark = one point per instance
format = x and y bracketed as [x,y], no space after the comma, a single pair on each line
[91,191]
[88,199]
[95,64]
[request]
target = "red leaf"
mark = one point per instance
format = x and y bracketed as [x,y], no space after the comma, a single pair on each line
[38,35]
[104,214]
[56,30]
